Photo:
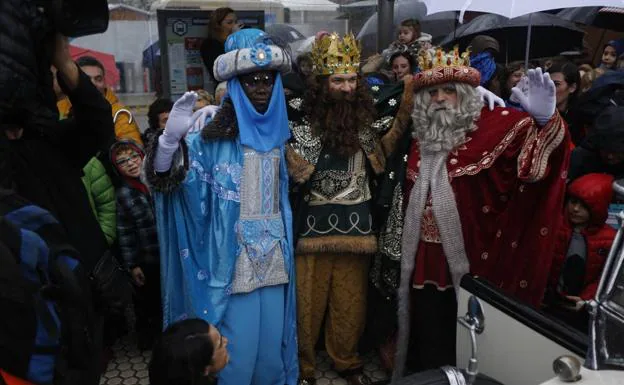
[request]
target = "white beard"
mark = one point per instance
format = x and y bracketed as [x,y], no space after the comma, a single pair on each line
[439,129]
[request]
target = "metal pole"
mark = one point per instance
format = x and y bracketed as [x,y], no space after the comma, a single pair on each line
[528,44]
[385,23]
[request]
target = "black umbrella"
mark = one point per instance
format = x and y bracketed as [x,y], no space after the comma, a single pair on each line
[550,35]
[601,17]
[284,32]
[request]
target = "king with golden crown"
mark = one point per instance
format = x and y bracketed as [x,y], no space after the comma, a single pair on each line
[333,55]
[482,194]
[334,153]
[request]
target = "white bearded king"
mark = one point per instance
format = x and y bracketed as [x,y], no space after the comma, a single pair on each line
[484,189]
[444,127]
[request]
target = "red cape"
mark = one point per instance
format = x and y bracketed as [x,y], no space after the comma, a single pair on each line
[509,181]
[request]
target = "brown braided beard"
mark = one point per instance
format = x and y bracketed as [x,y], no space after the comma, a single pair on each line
[338,117]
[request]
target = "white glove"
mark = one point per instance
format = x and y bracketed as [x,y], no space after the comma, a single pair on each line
[490,98]
[178,124]
[198,120]
[523,85]
[540,100]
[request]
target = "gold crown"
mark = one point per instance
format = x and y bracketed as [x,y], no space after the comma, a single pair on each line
[332,55]
[440,58]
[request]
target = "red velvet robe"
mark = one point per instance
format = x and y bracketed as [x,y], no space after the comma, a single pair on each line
[509,184]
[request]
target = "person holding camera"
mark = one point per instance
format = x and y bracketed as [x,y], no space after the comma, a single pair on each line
[44,164]
[126,126]
[42,157]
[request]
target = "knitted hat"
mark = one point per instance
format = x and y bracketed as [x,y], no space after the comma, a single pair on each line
[260,54]
[424,37]
[480,43]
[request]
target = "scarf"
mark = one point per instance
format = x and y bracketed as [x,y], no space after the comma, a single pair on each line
[136,184]
[485,64]
[262,132]
[433,177]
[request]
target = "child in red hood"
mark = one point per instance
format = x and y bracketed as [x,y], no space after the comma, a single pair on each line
[8,379]
[583,243]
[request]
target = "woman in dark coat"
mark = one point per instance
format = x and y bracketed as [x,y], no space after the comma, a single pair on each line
[223,22]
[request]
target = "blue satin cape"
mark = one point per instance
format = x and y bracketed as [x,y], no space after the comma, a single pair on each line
[198,242]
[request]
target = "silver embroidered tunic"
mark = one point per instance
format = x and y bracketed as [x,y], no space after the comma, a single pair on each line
[339,197]
[260,229]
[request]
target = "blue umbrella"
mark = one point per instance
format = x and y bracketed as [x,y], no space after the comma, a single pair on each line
[151,55]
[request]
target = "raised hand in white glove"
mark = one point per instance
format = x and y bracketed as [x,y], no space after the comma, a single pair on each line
[198,120]
[540,100]
[490,98]
[523,85]
[178,124]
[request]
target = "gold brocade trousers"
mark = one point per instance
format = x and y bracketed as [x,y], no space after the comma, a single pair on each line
[336,283]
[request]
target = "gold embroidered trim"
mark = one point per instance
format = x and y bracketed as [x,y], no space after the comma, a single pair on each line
[488,160]
[537,148]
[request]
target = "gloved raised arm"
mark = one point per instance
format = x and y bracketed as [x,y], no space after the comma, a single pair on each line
[178,124]
[539,99]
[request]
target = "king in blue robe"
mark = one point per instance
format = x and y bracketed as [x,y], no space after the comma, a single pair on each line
[225,223]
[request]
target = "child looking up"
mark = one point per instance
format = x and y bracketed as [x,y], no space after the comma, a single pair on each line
[138,240]
[188,352]
[612,50]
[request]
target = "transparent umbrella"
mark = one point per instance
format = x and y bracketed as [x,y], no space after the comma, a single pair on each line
[511,8]
[438,25]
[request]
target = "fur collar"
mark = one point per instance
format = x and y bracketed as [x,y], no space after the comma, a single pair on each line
[224,124]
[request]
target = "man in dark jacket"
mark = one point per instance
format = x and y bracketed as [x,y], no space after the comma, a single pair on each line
[603,149]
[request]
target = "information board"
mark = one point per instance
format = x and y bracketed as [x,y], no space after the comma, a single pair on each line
[181,33]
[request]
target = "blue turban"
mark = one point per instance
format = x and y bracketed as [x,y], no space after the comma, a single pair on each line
[260,131]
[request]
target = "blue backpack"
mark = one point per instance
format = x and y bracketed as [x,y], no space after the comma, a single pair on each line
[44,329]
